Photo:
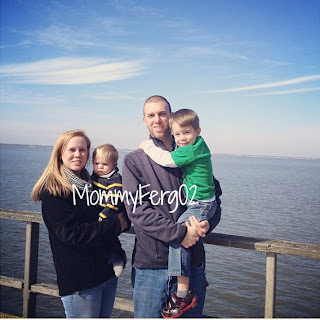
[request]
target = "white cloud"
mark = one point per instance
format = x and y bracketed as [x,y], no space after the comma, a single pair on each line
[98,34]
[115,97]
[198,51]
[70,71]
[21,95]
[275,63]
[240,75]
[270,84]
[63,36]
[302,90]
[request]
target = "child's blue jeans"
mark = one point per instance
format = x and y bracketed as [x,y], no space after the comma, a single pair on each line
[179,257]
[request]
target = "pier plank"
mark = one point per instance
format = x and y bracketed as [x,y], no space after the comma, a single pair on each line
[5,315]
[45,288]
[295,249]
[265,245]
[25,216]
[11,282]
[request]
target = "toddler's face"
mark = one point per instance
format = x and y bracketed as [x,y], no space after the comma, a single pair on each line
[101,166]
[184,135]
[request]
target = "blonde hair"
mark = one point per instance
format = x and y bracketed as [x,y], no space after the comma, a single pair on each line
[185,117]
[108,151]
[53,177]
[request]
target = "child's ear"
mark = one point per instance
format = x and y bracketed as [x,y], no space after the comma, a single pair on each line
[198,131]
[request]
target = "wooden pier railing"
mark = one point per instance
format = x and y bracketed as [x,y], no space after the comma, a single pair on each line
[31,288]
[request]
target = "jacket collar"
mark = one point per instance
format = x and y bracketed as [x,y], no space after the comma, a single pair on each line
[160,144]
[110,173]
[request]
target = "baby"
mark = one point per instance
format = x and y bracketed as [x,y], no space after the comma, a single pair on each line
[105,177]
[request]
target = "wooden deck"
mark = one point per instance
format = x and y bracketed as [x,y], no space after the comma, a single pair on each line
[4,315]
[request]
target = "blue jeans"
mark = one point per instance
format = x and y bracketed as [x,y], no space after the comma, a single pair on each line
[152,288]
[96,302]
[179,257]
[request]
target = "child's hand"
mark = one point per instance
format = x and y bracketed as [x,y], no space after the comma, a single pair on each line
[203,228]
[100,219]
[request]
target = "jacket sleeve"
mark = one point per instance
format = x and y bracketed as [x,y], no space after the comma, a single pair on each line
[158,155]
[107,212]
[111,202]
[143,214]
[108,200]
[214,221]
[66,224]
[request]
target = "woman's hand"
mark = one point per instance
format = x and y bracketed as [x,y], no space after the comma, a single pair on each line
[123,221]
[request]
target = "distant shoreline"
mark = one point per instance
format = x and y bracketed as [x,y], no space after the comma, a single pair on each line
[213,154]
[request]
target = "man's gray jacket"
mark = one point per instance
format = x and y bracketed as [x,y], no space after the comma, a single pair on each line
[154,195]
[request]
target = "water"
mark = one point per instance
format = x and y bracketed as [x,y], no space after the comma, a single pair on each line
[262,197]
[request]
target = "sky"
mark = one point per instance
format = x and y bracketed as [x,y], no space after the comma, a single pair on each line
[249,68]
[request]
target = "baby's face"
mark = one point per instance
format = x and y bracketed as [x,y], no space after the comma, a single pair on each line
[101,166]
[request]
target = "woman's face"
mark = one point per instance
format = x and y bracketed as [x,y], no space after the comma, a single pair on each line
[75,154]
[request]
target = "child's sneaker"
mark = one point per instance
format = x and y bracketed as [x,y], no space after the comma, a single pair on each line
[178,306]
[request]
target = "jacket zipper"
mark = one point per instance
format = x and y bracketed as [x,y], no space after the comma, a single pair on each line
[156,254]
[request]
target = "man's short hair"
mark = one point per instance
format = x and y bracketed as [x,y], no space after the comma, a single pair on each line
[157,98]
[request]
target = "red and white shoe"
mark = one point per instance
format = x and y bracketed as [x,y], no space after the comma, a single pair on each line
[176,307]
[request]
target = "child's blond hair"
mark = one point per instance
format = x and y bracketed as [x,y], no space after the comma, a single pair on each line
[185,117]
[108,151]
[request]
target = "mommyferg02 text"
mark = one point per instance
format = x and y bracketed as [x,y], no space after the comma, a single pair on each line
[137,198]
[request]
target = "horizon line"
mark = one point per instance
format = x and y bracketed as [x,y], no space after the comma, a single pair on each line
[214,154]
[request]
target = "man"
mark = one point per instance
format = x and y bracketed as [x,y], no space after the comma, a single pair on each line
[154,215]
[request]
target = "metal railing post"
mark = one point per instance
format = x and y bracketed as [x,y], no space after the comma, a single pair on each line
[270,296]
[30,269]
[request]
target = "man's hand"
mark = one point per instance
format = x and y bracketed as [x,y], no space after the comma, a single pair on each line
[192,236]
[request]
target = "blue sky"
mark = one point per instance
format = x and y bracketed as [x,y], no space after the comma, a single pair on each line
[250,69]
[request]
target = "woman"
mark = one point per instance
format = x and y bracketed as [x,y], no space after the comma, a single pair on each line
[78,241]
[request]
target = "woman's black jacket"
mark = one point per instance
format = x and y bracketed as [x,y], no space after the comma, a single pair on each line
[78,241]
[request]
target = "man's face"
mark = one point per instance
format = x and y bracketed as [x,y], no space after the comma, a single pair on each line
[156,118]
